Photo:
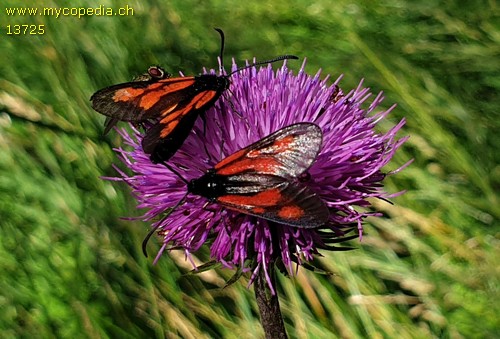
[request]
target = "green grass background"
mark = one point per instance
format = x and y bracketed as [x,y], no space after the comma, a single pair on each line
[70,268]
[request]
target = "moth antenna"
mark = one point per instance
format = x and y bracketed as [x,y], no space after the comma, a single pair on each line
[221,55]
[282,57]
[150,234]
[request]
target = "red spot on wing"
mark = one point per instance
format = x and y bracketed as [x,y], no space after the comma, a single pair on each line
[168,129]
[230,159]
[157,90]
[198,101]
[205,99]
[283,144]
[262,166]
[258,210]
[165,113]
[154,86]
[154,92]
[262,199]
[127,94]
[261,160]
[148,100]
[171,114]
[291,212]
[278,146]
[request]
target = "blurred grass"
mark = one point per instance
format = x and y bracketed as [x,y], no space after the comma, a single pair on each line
[430,268]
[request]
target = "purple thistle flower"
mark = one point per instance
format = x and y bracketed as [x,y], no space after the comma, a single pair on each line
[345,174]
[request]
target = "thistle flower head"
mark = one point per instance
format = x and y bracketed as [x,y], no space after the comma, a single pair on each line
[346,173]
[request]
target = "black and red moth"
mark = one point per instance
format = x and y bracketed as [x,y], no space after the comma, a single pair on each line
[171,104]
[264,179]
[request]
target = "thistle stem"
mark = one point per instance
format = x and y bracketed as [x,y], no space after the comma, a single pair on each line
[269,307]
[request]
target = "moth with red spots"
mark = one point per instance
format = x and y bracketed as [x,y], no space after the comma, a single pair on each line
[264,179]
[171,104]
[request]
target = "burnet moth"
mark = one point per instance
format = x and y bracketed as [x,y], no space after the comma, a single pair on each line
[171,104]
[266,179]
